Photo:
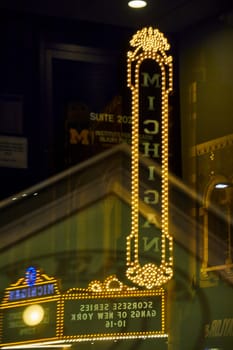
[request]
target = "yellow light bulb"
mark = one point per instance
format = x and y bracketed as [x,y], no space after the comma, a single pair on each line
[33,315]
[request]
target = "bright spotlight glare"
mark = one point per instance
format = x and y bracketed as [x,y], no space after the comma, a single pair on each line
[136,4]
[33,315]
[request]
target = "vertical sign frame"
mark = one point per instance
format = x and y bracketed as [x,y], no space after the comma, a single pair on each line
[150,45]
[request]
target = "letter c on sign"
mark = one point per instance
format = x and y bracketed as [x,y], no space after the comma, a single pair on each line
[155,128]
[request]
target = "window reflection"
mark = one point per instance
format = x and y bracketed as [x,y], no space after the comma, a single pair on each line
[218,227]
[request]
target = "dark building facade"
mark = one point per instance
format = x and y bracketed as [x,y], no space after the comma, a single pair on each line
[66,180]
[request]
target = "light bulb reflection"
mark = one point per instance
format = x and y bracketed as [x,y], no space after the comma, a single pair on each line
[33,315]
[222,185]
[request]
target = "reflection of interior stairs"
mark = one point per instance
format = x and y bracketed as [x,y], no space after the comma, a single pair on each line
[228,273]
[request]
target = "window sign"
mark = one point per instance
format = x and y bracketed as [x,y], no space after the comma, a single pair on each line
[13,152]
[110,309]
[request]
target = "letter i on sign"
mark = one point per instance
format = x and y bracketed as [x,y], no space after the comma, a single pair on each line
[149,76]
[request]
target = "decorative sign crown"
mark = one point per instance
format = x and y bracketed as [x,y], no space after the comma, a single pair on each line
[149,39]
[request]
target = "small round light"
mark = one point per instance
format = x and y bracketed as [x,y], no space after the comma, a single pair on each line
[137,4]
[33,315]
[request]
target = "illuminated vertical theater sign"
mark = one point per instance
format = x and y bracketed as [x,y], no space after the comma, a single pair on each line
[149,71]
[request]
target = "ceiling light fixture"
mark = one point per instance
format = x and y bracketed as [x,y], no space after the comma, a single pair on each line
[137,4]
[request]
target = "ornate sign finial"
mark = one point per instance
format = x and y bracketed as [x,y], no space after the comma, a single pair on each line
[149,39]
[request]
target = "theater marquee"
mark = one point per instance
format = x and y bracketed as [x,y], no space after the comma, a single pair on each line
[112,311]
[21,322]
